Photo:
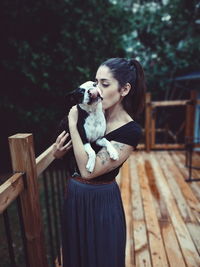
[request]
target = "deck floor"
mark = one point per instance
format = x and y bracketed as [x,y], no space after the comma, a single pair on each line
[162,210]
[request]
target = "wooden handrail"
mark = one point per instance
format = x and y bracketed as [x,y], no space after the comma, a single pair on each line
[44,160]
[170,103]
[10,190]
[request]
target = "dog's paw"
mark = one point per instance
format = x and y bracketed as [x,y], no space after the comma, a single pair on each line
[113,153]
[90,165]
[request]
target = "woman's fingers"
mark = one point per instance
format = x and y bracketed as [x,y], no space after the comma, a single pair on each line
[63,139]
[68,145]
[60,137]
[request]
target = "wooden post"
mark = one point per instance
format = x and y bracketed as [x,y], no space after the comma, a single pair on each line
[23,160]
[153,127]
[190,114]
[148,110]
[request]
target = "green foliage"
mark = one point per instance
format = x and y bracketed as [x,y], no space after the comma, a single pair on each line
[165,39]
[47,49]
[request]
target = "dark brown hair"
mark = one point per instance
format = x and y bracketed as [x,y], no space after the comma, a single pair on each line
[129,71]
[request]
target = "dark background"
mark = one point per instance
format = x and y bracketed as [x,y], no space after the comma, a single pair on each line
[48,48]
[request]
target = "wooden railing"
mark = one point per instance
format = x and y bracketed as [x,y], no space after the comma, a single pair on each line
[24,184]
[150,120]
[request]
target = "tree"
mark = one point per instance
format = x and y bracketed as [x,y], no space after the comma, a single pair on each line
[47,49]
[165,38]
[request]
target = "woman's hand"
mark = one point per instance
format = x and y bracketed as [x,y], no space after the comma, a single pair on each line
[58,149]
[73,116]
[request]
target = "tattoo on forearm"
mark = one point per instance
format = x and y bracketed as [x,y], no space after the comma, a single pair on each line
[118,146]
[104,156]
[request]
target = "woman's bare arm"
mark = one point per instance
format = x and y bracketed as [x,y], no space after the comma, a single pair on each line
[103,163]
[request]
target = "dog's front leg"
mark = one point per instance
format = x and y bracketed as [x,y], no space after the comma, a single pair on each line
[92,157]
[109,147]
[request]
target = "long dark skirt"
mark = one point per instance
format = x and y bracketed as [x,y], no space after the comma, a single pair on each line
[93,226]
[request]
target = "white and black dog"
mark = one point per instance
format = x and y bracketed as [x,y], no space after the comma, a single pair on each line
[91,121]
[91,124]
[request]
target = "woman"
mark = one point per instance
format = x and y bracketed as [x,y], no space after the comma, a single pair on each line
[94,226]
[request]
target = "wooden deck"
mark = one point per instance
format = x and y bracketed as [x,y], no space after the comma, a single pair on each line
[162,210]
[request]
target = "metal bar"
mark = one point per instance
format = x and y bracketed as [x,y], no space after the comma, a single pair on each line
[192,180]
[9,238]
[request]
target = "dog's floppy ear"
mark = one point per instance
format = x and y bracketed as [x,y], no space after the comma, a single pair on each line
[71,97]
[76,96]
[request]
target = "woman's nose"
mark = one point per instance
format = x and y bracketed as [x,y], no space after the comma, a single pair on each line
[100,90]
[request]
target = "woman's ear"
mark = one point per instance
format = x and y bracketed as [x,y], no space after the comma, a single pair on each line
[125,89]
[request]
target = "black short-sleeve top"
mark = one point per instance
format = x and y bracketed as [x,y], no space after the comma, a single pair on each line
[130,134]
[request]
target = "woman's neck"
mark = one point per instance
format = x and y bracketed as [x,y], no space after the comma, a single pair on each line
[116,113]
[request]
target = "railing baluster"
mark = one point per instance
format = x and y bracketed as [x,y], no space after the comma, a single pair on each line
[63,182]
[55,219]
[59,178]
[49,221]
[19,208]
[9,238]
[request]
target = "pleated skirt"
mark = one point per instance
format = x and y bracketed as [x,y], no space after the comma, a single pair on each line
[93,225]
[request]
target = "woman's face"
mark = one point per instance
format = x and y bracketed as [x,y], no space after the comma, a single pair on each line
[109,87]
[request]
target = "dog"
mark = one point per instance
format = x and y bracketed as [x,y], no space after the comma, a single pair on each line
[91,123]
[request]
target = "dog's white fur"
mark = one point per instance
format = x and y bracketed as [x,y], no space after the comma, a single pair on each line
[95,126]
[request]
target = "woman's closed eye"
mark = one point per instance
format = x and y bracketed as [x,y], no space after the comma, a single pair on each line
[103,84]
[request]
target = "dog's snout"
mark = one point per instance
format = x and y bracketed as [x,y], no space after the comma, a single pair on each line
[93,92]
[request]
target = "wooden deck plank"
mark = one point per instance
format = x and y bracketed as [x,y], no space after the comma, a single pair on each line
[177,157]
[176,183]
[141,245]
[179,189]
[195,163]
[193,205]
[188,248]
[158,254]
[172,248]
[126,196]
